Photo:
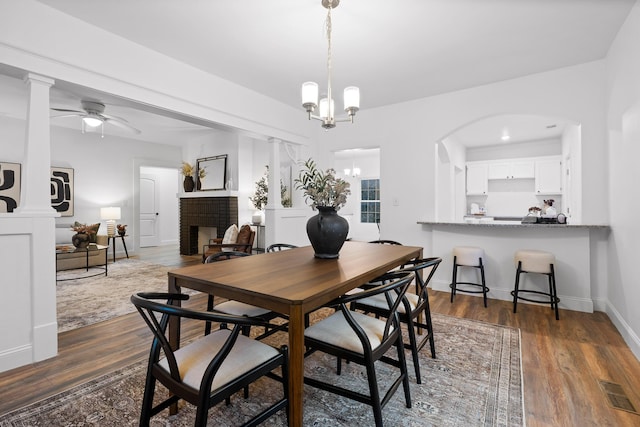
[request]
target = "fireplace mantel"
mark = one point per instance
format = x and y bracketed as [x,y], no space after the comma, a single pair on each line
[205,194]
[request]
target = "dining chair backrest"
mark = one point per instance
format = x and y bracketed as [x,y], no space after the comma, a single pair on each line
[220,256]
[276,247]
[209,369]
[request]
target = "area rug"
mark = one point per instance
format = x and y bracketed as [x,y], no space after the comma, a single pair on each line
[475,381]
[82,302]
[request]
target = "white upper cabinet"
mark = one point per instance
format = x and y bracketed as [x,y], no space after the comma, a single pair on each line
[549,176]
[477,178]
[512,169]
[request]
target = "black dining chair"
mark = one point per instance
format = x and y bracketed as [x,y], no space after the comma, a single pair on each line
[210,369]
[363,339]
[238,308]
[414,310]
[386,242]
[277,247]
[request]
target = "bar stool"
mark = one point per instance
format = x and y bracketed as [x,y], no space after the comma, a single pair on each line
[531,261]
[468,256]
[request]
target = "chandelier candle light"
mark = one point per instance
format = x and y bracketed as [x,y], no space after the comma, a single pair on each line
[310,89]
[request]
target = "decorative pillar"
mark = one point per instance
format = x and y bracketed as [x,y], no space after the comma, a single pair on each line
[35,193]
[274,198]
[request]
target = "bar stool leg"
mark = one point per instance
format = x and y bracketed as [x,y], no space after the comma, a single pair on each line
[455,279]
[554,296]
[484,285]
[517,285]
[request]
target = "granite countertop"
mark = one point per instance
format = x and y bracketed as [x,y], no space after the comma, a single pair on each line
[502,223]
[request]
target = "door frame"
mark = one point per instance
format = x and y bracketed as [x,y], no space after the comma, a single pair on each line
[137,164]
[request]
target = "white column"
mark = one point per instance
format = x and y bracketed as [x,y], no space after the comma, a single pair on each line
[274,197]
[35,193]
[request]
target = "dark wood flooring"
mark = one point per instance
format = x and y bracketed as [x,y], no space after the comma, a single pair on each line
[563,361]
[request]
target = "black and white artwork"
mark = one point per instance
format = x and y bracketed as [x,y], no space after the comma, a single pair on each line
[62,190]
[9,186]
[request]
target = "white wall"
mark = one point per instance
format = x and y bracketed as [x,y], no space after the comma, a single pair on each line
[620,294]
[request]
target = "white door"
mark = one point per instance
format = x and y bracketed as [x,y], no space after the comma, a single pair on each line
[148,211]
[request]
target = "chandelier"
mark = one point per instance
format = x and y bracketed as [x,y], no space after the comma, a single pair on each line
[310,89]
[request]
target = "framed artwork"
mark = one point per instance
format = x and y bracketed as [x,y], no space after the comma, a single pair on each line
[9,186]
[62,190]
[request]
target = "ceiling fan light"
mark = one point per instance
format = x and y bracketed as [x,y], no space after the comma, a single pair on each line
[92,121]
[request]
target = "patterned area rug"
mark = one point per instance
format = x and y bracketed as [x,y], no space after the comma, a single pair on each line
[82,302]
[475,381]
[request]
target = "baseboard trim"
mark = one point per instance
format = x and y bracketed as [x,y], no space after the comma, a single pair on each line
[16,357]
[628,334]
[566,302]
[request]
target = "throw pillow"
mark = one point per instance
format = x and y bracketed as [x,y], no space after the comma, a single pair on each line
[231,235]
[94,235]
[244,235]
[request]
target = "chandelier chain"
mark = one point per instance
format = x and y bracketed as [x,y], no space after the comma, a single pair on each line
[329,94]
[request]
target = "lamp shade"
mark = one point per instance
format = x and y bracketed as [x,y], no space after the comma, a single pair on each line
[110,213]
[325,112]
[309,94]
[351,98]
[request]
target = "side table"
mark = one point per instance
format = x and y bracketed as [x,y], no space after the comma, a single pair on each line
[113,239]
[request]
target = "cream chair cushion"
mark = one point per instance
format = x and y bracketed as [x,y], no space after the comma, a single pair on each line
[335,330]
[379,301]
[194,358]
[468,255]
[535,261]
[238,308]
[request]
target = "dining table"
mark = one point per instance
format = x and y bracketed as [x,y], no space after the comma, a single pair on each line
[292,282]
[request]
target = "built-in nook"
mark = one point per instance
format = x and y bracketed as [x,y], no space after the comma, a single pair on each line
[205,213]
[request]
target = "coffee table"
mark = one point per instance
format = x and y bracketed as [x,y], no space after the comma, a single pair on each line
[70,249]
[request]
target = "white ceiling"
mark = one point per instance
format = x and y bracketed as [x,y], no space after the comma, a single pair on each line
[394,51]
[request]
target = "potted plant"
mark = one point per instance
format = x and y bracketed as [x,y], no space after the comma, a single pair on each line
[325,192]
[82,238]
[259,198]
[187,171]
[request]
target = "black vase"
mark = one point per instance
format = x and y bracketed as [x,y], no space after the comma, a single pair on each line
[80,240]
[327,232]
[188,184]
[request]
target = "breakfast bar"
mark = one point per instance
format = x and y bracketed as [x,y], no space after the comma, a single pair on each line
[579,250]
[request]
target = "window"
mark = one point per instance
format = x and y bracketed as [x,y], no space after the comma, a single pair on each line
[370,200]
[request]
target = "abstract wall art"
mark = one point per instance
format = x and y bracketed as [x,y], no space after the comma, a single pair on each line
[9,186]
[62,190]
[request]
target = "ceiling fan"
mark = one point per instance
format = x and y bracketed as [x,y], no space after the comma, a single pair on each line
[93,116]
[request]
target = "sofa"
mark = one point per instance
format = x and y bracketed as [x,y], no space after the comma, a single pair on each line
[69,261]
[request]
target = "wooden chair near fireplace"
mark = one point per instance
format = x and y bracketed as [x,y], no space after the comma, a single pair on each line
[238,241]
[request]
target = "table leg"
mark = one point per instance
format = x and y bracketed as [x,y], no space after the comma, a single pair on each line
[125,246]
[174,330]
[296,365]
[114,248]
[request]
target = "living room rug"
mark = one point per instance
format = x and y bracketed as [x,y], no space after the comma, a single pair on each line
[476,380]
[82,302]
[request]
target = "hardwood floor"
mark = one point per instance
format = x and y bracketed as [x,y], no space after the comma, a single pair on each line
[563,361]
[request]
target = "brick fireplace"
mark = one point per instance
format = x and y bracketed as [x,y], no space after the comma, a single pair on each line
[195,212]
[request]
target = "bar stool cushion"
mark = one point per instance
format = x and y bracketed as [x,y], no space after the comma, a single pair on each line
[535,261]
[468,255]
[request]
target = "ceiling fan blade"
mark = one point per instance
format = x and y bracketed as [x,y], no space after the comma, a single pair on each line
[69,115]
[117,118]
[64,110]
[121,125]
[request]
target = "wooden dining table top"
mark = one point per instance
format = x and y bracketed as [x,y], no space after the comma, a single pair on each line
[280,280]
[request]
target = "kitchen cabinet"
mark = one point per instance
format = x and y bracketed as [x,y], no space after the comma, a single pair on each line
[477,178]
[512,169]
[548,176]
